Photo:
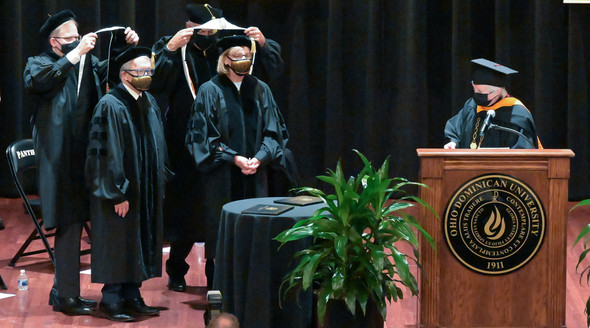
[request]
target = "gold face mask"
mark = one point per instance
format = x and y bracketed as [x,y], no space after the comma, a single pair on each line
[240,66]
[142,79]
[141,83]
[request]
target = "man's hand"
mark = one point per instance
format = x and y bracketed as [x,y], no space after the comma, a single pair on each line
[180,39]
[122,208]
[254,33]
[131,36]
[86,43]
[450,145]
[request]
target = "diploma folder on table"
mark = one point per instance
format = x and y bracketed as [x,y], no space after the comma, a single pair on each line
[264,209]
[299,200]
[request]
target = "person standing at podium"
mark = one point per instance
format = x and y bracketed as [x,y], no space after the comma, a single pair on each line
[491,105]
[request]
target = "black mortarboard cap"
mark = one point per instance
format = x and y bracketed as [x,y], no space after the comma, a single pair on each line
[235,41]
[202,13]
[122,57]
[54,21]
[130,54]
[490,73]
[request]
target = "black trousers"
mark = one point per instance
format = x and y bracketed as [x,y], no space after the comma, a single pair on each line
[67,260]
[176,266]
[117,293]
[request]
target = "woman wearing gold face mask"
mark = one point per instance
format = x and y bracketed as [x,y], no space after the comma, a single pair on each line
[235,131]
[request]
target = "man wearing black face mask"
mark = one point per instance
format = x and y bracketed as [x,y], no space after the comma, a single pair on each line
[65,84]
[180,81]
[464,130]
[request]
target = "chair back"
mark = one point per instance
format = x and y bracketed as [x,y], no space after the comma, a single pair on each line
[21,158]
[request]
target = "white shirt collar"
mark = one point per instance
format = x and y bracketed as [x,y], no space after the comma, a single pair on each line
[131,91]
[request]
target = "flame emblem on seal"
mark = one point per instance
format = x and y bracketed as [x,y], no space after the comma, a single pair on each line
[495,226]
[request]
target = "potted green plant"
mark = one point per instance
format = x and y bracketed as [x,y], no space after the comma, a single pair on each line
[353,257]
[584,270]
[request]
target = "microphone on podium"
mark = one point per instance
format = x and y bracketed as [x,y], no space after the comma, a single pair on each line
[502,128]
[490,113]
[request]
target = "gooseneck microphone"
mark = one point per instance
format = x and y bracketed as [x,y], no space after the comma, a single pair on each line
[502,128]
[490,113]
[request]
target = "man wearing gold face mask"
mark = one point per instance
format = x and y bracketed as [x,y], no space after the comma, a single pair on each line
[234,133]
[125,170]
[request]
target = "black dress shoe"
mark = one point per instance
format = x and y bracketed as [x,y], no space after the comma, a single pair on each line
[85,301]
[114,312]
[177,285]
[137,306]
[71,306]
[88,302]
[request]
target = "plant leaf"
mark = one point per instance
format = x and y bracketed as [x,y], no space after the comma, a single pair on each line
[582,203]
[354,256]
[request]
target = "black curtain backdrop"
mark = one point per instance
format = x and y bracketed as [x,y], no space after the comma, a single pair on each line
[380,76]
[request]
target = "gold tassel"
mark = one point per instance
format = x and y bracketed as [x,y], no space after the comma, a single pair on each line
[208,7]
[253,46]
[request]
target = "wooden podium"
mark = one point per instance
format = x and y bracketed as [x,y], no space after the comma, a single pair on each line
[495,289]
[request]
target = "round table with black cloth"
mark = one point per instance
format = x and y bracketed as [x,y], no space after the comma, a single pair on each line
[249,267]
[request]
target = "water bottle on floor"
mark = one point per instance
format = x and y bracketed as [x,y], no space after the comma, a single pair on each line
[23,280]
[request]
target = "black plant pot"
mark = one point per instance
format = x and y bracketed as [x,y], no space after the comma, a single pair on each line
[338,316]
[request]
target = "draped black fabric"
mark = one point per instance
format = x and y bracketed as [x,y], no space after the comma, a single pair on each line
[380,76]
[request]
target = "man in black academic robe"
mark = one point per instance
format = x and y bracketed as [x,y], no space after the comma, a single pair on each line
[491,103]
[183,225]
[125,170]
[510,113]
[64,105]
[233,136]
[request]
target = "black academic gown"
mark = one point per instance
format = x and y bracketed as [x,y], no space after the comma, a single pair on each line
[246,123]
[510,113]
[126,161]
[181,213]
[60,132]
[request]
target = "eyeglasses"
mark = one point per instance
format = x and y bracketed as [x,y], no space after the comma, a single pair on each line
[68,38]
[244,57]
[489,93]
[141,72]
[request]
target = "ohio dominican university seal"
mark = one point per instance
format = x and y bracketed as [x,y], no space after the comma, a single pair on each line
[494,224]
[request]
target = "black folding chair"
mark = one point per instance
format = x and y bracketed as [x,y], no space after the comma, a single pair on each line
[21,159]
[2,284]
[23,162]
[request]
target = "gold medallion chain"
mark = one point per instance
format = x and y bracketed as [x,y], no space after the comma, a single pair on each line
[474,143]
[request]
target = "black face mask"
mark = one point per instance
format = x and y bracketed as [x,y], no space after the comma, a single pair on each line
[481,99]
[66,48]
[203,41]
